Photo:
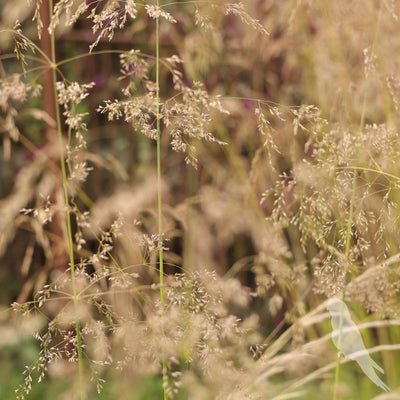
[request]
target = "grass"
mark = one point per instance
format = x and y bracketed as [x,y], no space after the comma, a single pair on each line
[193,254]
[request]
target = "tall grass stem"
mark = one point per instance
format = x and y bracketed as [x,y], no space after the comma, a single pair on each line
[67,211]
[159,193]
[351,210]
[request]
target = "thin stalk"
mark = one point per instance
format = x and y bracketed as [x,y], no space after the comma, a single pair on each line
[159,194]
[67,211]
[159,188]
[99,52]
[377,171]
[351,212]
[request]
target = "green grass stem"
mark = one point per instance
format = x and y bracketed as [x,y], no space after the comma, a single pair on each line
[67,212]
[351,212]
[159,192]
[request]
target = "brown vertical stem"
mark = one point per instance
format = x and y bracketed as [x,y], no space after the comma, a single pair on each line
[49,106]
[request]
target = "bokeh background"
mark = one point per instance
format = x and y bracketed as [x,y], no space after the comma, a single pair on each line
[340,56]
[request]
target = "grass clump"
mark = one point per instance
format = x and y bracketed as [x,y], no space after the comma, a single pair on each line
[187,204]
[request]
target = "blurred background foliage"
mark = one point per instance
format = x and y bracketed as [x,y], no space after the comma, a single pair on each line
[315,53]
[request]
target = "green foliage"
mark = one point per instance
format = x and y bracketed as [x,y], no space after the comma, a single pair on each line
[184,185]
